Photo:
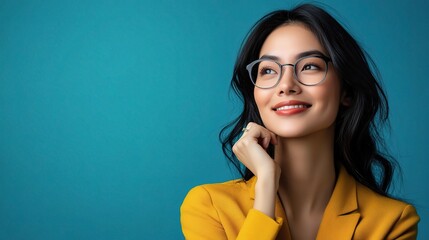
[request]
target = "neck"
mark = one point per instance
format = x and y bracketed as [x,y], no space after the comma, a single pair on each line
[308,172]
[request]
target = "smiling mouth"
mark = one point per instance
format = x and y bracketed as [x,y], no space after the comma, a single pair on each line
[287,107]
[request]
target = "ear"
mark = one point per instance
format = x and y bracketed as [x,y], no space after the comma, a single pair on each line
[345,99]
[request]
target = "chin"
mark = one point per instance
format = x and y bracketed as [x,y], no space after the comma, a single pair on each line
[288,132]
[300,130]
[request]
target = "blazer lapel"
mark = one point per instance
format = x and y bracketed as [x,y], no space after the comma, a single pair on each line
[341,215]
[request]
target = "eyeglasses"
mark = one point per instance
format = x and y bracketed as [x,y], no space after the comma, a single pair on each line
[309,71]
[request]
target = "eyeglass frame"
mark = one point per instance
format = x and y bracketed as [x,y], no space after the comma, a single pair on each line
[323,57]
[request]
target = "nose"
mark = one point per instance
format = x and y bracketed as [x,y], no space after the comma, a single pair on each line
[287,84]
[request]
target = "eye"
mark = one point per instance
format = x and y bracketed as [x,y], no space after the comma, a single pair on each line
[310,66]
[266,71]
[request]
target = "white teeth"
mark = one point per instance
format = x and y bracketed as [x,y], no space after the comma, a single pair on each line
[290,107]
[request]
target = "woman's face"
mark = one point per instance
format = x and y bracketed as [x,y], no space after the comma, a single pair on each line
[291,109]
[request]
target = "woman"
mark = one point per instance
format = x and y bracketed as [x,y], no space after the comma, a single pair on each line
[307,139]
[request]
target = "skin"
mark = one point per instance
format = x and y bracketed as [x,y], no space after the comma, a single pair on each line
[302,172]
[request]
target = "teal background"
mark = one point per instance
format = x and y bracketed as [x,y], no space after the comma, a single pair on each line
[110,110]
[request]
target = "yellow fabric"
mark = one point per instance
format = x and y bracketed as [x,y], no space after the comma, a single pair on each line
[224,211]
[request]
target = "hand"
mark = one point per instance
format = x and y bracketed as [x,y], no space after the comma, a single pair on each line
[251,148]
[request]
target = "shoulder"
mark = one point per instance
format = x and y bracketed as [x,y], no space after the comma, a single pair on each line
[370,200]
[398,217]
[219,192]
[224,211]
[216,211]
[380,217]
[227,199]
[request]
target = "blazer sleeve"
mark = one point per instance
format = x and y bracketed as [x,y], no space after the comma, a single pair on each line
[258,226]
[405,227]
[200,220]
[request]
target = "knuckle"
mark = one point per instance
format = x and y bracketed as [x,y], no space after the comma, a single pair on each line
[235,148]
[240,145]
[245,142]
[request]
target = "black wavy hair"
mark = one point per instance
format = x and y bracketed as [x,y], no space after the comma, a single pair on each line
[358,142]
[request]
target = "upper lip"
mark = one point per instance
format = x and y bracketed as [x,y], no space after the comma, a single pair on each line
[290,103]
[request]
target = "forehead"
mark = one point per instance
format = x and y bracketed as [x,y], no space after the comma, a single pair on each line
[287,41]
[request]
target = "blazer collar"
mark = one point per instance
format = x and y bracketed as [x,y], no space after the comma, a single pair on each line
[341,214]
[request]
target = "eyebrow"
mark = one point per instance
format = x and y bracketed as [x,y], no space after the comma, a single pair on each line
[300,55]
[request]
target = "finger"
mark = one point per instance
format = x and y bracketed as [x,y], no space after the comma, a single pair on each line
[247,128]
[274,139]
[261,135]
[266,137]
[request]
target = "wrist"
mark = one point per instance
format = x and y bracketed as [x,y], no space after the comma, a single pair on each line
[268,178]
[266,184]
[265,195]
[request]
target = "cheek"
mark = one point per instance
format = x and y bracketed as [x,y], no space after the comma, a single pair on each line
[261,98]
[331,89]
[329,96]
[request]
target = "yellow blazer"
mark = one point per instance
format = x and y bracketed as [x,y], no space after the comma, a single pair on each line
[225,211]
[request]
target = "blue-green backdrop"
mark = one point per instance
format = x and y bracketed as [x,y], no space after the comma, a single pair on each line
[110,110]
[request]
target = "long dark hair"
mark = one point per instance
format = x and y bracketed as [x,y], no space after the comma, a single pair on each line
[357,139]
